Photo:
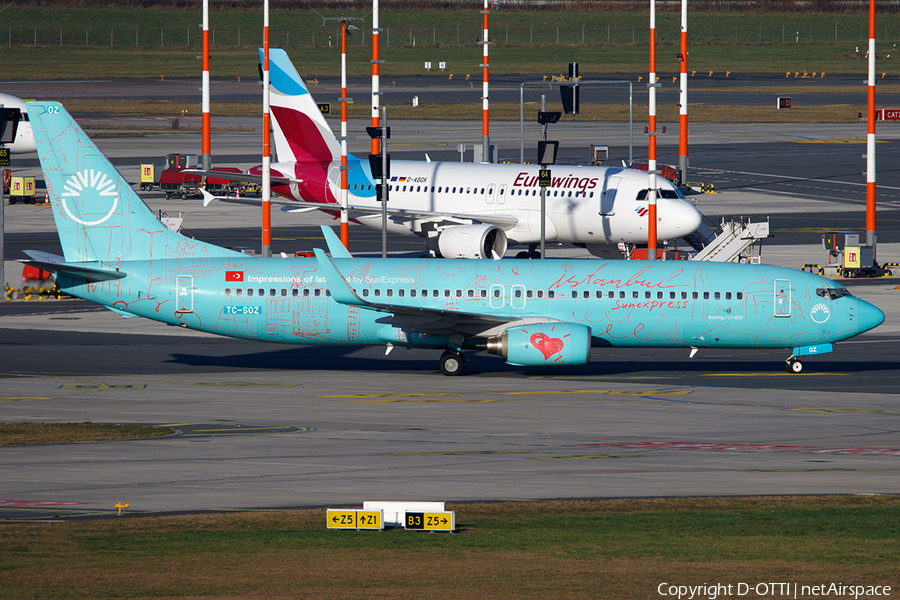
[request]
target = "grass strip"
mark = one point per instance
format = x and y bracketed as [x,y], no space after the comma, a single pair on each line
[712,113]
[579,549]
[14,434]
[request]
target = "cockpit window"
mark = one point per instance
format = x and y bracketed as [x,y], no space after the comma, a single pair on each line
[833,293]
[660,193]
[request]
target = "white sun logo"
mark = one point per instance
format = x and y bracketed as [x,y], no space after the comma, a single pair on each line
[820,312]
[90,179]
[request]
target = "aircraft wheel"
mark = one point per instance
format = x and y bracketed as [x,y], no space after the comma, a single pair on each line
[452,363]
[536,254]
[168,195]
[794,366]
[523,254]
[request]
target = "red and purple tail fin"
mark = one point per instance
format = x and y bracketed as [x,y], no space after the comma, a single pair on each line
[301,133]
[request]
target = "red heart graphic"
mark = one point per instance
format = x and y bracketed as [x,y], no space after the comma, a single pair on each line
[546,344]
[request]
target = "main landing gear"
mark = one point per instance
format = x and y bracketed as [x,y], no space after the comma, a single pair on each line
[532,252]
[452,362]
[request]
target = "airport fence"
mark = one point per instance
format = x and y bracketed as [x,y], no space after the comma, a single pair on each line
[547,30]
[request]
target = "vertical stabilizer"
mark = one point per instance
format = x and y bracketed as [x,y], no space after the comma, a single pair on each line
[98,215]
[301,132]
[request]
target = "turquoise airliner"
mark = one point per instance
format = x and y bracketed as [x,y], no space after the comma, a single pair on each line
[532,313]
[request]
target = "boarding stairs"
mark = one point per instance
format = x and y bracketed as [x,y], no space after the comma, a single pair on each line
[733,242]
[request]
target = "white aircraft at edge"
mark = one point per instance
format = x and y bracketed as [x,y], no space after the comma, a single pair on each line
[24,138]
[463,210]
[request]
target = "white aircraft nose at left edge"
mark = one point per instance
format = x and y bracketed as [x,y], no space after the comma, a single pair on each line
[24,138]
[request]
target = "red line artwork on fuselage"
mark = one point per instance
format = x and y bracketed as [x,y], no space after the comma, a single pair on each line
[594,279]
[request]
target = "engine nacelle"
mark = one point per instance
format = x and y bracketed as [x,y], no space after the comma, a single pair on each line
[543,344]
[469,241]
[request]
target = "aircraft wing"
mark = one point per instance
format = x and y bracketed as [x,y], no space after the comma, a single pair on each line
[414,318]
[401,214]
[246,177]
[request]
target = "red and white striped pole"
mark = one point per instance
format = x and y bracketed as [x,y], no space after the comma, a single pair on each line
[345,235]
[682,101]
[266,169]
[870,136]
[376,93]
[485,129]
[651,167]
[205,159]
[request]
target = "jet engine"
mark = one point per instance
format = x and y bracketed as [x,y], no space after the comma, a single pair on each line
[543,344]
[469,241]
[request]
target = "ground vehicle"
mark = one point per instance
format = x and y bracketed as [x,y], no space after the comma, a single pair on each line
[177,182]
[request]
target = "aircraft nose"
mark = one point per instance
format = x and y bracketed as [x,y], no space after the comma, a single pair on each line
[870,316]
[684,219]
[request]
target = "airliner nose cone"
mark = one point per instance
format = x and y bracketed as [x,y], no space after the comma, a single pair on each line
[870,316]
[686,219]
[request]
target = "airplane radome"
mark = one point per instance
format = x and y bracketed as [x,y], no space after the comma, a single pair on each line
[462,210]
[532,313]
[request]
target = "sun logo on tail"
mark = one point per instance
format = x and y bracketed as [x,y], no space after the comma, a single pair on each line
[98,181]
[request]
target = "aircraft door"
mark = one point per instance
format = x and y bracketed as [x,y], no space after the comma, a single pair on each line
[608,196]
[497,296]
[491,190]
[782,299]
[501,197]
[184,293]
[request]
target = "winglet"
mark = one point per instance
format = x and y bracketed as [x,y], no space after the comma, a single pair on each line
[207,197]
[335,247]
[337,285]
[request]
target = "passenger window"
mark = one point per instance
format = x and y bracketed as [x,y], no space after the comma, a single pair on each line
[459,293]
[327,293]
[435,293]
[412,293]
[446,293]
[635,295]
[306,292]
[740,295]
[728,295]
[529,294]
[262,292]
[706,295]
[365,292]
[647,295]
[694,295]
[586,294]
[659,295]
[227,291]
[621,294]
[540,293]
[389,292]
[671,295]
[295,292]
[551,293]
[271,291]
[318,292]
[718,296]
[574,294]
[484,293]
[496,292]
[471,293]
[377,292]
[250,292]
[283,292]
[401,292]
[684,295]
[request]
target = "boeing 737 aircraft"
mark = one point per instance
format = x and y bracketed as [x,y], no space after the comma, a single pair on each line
[532,313]
[463,210]
[24,141]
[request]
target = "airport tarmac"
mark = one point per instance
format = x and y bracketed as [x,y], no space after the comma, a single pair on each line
[265,426]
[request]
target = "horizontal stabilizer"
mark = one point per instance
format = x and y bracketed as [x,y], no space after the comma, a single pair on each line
[56,264]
